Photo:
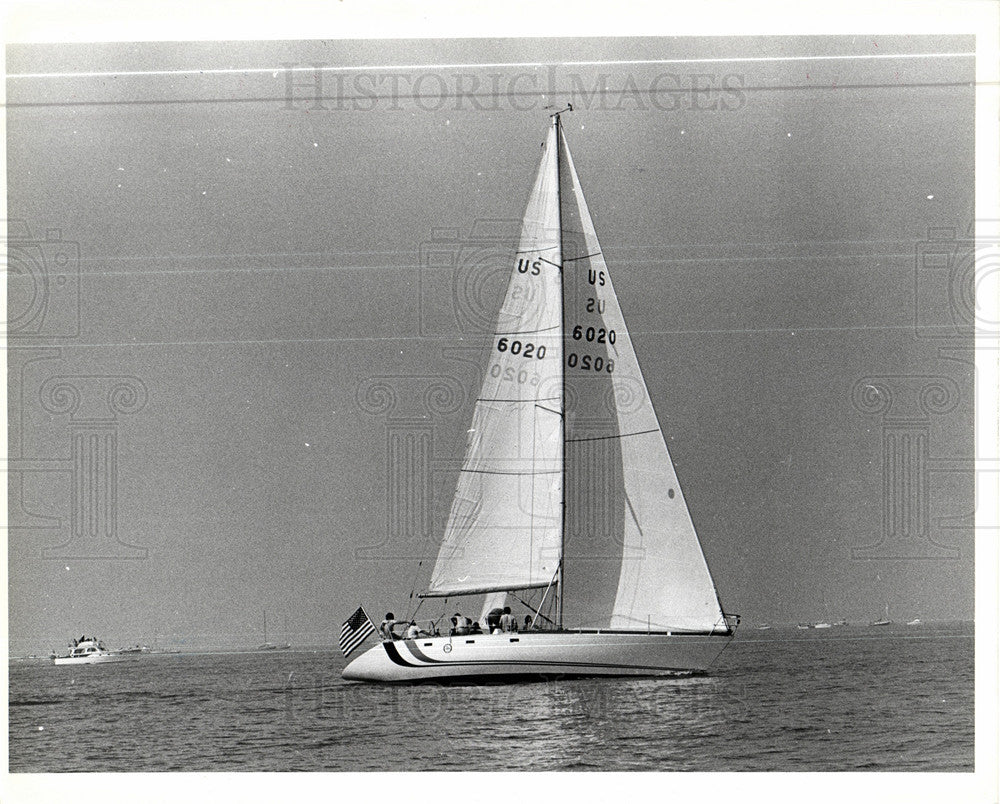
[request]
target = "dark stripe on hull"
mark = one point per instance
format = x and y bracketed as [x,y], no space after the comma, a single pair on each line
[393,654]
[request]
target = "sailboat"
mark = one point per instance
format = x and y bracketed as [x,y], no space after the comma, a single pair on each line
[564,405]
[265,645]
[885,618]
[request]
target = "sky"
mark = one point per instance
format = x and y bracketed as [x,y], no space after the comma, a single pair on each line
[241,300]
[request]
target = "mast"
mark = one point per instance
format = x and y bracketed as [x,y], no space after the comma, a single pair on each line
[562,373]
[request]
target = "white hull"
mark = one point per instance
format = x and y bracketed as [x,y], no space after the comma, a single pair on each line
[539,654]
[97,658]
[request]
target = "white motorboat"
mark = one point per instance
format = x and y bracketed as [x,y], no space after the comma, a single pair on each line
[564,449]
[89,650]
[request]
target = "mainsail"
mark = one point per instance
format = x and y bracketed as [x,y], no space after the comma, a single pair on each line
[564,402]
[505,526]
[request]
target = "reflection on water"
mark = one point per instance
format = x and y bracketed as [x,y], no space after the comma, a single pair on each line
[780,700]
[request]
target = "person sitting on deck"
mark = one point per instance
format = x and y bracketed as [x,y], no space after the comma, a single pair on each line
[475,628]
[527,622]
[460,625]
[385,629]
[413,631]
[508,624]
[493,620]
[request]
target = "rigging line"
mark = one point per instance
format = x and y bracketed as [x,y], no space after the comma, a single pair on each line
[444,610]
[274,71]
[549,410]
[528,605]
[619,435]
[554,265]
[514,474]
[413,617]
[413,586]
[584,257]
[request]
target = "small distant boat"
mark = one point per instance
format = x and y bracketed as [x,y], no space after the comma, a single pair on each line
[135,649]
[265,645]
[803,626]
[89,650]
[885,619]
[917,621]
[840,622]
[822,625]
[764,627]
[268,645]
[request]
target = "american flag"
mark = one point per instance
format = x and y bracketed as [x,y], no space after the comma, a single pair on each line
[355,631]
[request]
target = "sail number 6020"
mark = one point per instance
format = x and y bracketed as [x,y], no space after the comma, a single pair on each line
[600,335]
[523,349]
[590,363]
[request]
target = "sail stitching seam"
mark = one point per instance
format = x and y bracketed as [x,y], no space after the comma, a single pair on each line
[519,474]
[545,399]
[620,435]
[535,250]
[528,331]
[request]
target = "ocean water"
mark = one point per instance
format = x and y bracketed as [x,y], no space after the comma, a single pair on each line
[849,698]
